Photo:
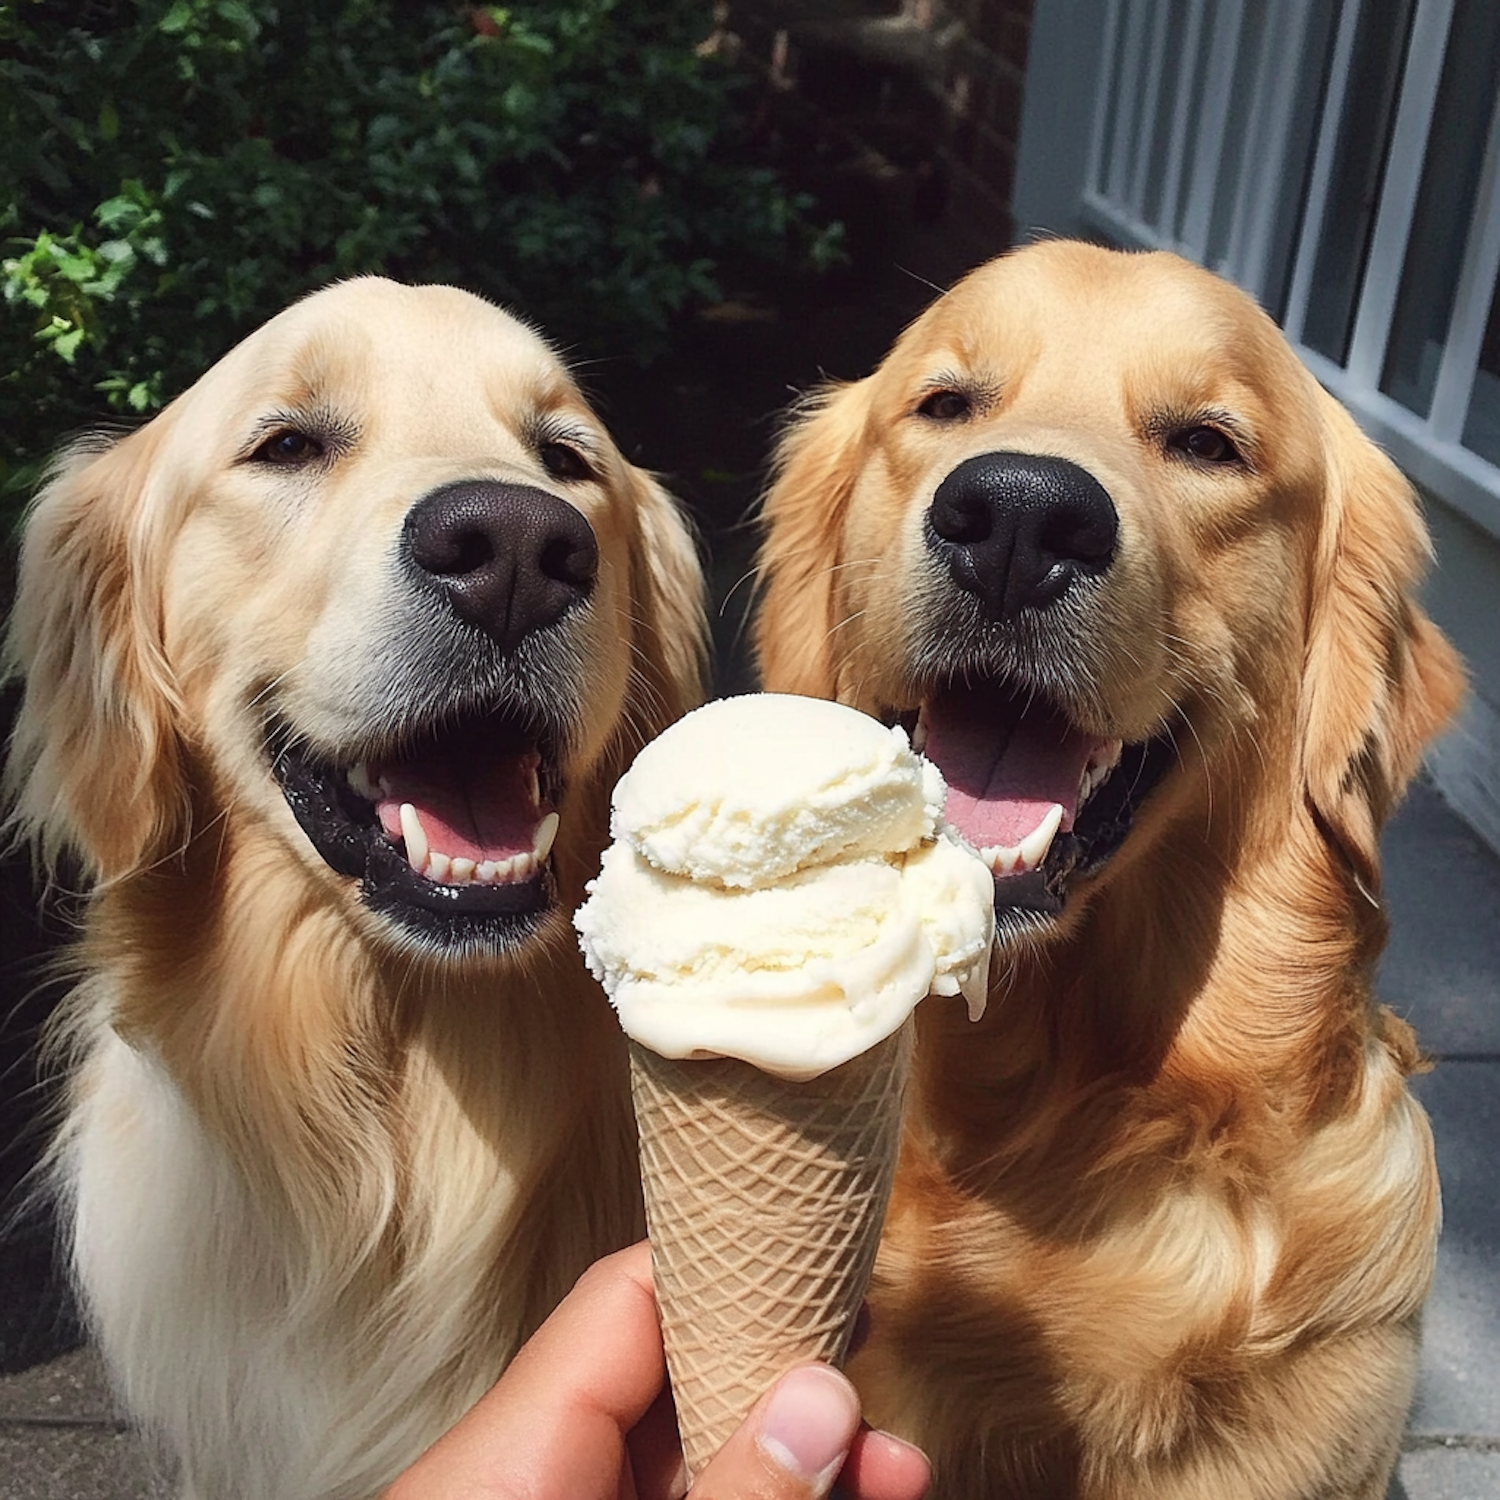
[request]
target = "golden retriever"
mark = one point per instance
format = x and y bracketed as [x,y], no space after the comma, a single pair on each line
[330,669]
[1166,1217]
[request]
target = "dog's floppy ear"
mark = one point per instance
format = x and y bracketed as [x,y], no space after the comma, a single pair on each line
[95,766]
[670,610]
[816,468]
[1380,679]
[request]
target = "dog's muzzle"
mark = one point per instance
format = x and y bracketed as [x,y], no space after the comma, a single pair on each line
[447,813]
[1024,539]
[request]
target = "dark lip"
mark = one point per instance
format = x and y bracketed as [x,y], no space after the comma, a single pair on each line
[344,830]
[1103,824]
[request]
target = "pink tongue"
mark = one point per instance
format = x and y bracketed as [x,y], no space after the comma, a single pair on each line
[470,808]
[1006,763]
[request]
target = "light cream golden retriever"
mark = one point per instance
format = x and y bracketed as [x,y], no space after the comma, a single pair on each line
[1166,1217]
[329,672]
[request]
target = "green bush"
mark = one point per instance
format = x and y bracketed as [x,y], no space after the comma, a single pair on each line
[174,171]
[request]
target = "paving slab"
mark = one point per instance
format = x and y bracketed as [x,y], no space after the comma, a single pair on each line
[1459,1390]
[74,1463]
[1440,1473]
[62,1437]
[1441,969]
[68,1390]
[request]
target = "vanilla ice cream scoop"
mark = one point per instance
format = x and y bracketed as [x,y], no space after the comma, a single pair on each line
[783,889]
[748,790]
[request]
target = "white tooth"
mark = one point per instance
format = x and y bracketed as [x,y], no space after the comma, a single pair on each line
[1035,845]
[541,840]
[503,869]
[484,872]
[439,867]
[522,867]
[919,735]
[416,839]
[461,870]
[1105,759]
[359,781]
[1098,769]
[1092,779]
[534,786]
[1001,858]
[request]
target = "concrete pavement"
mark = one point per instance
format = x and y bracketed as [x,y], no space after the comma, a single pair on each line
[1442,971]
[61,1440]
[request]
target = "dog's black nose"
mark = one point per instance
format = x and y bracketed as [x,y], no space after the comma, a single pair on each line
[1017,530]
[509,558]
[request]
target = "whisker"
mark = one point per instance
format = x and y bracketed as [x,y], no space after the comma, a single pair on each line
[850,619]
[921,280]
[748,576]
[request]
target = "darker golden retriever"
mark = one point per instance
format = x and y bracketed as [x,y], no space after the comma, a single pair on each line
[1166,1217]
[329,672]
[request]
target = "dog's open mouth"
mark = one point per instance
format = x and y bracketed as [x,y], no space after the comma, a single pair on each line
[1042,801]
[449,830]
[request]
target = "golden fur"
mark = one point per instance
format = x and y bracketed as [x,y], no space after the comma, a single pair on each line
[1166,1217]
[323,1176]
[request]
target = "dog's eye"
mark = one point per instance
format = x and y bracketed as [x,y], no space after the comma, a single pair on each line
[946,406]
[289,446]
[1206,444]
[563,462]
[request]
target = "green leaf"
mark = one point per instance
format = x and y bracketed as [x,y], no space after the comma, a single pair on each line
[117,214]
[177,171]
[66,344]
[177,19]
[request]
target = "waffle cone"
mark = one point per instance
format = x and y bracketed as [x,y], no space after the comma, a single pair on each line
[764,1202]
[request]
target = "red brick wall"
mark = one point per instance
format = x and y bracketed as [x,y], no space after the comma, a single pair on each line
[985,84]
[927,93]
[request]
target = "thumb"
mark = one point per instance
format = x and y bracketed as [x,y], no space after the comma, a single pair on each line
[791,1446]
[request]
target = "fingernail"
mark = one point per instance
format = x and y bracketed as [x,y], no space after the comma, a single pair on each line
[895,1447]
[809,1424]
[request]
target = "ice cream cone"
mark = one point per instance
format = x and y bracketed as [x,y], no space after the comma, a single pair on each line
[781,893]
[764,1202]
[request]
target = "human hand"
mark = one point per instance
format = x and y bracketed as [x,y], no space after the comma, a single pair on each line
[583,1414]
